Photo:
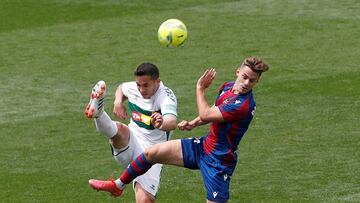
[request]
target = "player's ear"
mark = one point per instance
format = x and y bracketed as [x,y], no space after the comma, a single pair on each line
[237,71]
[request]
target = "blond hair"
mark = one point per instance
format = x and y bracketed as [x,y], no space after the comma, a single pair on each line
[255,64]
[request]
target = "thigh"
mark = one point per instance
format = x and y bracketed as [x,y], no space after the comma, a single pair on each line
[168,152]
[142,196]
[150,181]
[121,139]
[191,150]
[129,152]
[216,182]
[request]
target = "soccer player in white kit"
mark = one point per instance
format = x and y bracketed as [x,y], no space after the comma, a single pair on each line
[153,109]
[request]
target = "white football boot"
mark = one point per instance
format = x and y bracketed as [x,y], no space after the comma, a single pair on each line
[96,104]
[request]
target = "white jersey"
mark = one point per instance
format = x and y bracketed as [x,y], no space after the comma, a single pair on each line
[163,101]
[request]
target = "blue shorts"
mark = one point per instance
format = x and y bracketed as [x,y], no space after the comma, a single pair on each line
[216,176]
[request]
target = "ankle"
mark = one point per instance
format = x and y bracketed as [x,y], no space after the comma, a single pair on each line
[119,184]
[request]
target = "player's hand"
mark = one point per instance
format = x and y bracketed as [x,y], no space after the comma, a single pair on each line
[156,119]
[120,111]
[185,125]
[206,79]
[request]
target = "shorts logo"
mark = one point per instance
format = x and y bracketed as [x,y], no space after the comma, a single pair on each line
[196,140]
[226,177]
[215,194]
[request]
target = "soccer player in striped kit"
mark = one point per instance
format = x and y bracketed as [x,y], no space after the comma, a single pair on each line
[215,153]
[149,100]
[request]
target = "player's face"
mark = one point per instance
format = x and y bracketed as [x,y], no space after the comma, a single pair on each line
[246,79]
[147,86]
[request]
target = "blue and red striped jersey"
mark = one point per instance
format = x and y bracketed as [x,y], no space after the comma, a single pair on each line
[224,137]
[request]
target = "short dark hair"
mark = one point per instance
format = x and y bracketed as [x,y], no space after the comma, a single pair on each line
[147,69]
[255,64]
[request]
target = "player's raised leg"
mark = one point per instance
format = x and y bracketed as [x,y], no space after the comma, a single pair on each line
[108,186]
[169,152]
[95,107]
[118,133]
[163,153]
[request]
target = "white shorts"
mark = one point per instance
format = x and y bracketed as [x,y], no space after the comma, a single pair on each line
[150,181]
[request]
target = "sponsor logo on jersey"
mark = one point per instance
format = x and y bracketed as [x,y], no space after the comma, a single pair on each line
[136,116]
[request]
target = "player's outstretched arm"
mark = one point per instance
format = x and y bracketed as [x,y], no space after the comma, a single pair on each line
[207,113]
[189,125]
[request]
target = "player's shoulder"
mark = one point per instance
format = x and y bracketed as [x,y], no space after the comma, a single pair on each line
[129,88]
[129,84]
[165,93]
[226,85]
[249,97]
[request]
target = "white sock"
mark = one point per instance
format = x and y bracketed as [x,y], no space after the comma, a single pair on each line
[119,184]
[105,125]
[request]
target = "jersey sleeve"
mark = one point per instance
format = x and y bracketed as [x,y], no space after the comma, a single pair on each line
[235,110]
[168,102]
[125,87]
[223,86]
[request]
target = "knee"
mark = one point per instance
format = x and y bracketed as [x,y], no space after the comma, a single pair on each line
[150,154]
[122,128]
[121,138]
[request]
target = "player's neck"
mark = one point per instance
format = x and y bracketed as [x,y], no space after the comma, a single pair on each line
[235,89]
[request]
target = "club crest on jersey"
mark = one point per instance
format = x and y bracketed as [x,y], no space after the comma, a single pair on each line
[136,116]
[226,101]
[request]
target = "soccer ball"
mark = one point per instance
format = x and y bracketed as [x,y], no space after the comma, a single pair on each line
[172,33]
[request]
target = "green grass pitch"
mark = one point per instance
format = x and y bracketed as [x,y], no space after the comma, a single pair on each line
[302,146]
